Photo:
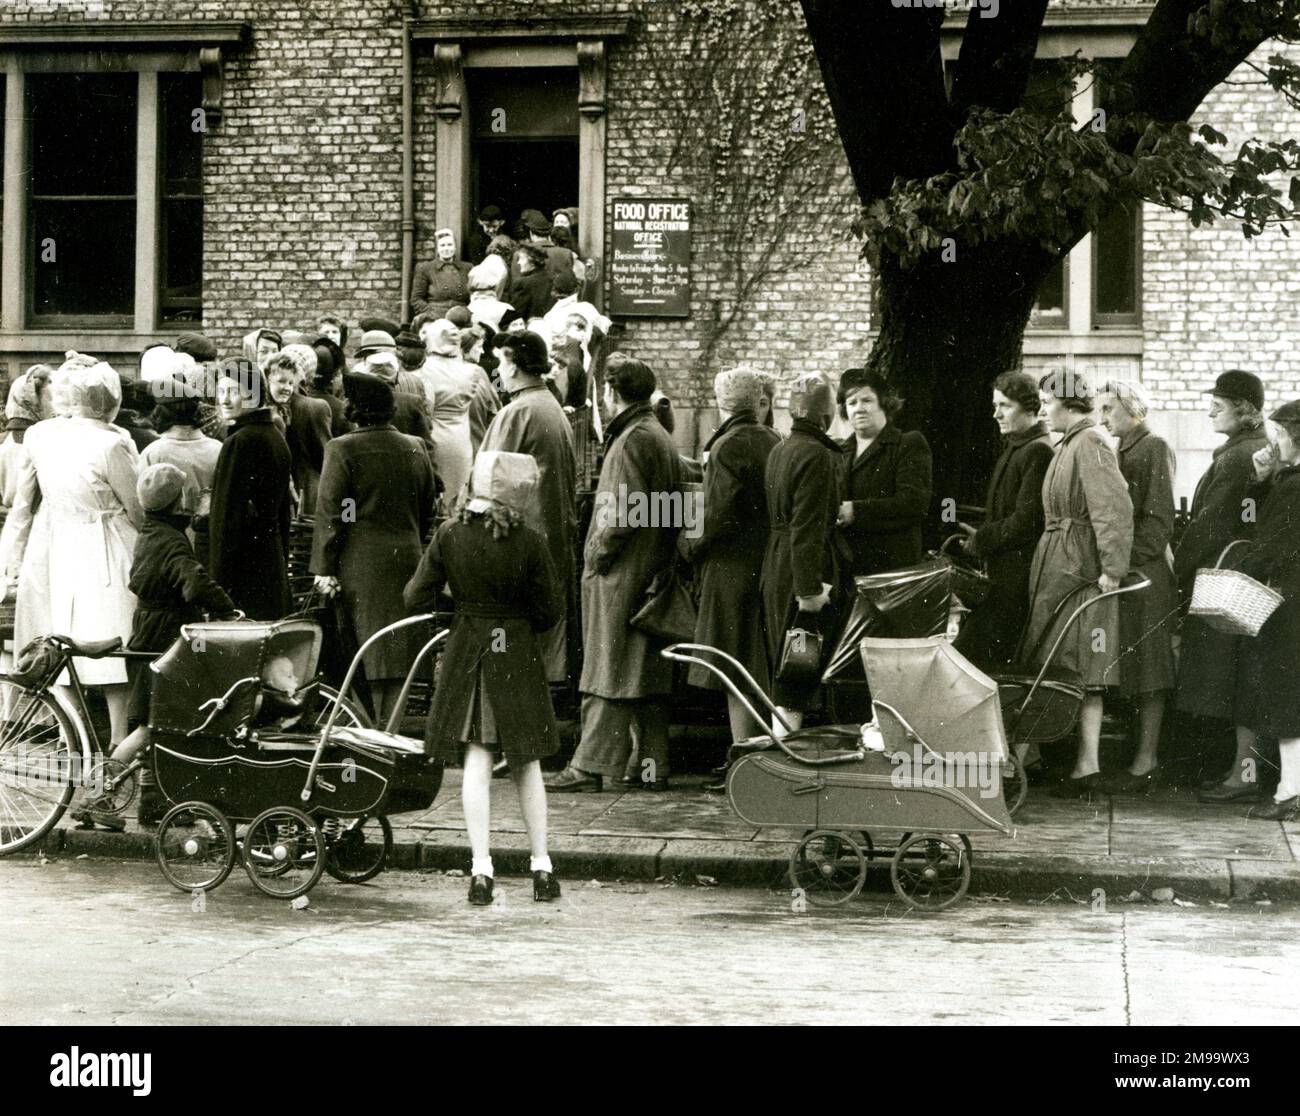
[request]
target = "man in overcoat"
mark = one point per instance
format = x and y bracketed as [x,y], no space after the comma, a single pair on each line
[535,424]
[625,681]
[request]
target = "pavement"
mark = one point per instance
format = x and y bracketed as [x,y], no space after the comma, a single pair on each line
[1164,847]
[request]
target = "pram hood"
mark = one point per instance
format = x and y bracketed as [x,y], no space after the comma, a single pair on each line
[952,705]
[209,659]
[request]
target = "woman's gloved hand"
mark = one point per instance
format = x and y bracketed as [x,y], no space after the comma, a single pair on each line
[327,586]
[815,603]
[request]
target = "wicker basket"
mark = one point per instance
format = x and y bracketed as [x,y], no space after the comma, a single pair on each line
[1231,601]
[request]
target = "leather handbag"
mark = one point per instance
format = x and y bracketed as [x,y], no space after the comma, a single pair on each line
[801,656]
[669,611]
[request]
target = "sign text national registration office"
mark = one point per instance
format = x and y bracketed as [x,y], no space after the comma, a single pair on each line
[651,272]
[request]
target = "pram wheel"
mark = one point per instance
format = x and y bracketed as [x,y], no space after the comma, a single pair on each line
[284,852]
[1015,786]
[868,845]
[931,872]
[357,849]
[195,846]
[828,867]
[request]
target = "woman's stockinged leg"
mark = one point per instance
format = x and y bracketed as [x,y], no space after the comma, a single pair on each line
[1288,785]
[1246,767]
[742,722]
[1088,761]
[1151,715]
[532,804]
[118,699]
[475,798]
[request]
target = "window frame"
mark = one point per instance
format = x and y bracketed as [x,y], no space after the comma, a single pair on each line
[1113,319]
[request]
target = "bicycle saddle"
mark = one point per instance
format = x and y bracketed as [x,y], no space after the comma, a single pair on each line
[94,649]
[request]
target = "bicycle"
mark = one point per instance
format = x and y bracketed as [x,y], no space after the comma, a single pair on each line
[49,745]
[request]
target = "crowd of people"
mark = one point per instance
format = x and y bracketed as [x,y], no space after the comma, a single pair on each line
[451,464]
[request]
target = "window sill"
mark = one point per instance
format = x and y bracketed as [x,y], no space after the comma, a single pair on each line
[1113,341]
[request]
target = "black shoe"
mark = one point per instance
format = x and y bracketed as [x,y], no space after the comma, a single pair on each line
[480,891]
[546,888]
[1286,810]
[1083,787]
[718,785]
[95,813]
[1124,782]
[574,781]
[1221,794]
[646,784]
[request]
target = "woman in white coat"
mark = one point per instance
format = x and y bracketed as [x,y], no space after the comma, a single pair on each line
[71,557]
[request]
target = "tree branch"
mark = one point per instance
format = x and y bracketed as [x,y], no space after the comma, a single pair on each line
[996,56]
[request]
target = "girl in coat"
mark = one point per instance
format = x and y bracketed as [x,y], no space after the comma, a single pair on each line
[249,525]
[1085,548]
[1268,699]
[373,511]
[1146,618]
[71,556]
[492,694]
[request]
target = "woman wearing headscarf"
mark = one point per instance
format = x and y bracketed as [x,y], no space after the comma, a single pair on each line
[493,695]
[887,482]
[1267,697]
[249,524]
[28,404]
[1085,550]
[373,511]
[71,556]
[1013,523]
[730,539]
[1207,658]
[803,563]
[1147,618]
[261,345]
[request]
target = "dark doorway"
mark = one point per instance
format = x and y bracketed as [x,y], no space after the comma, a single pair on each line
[524,152]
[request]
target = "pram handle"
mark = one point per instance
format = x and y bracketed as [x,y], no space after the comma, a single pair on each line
[422,618]
[676,653]
[399,706]
[1131,587]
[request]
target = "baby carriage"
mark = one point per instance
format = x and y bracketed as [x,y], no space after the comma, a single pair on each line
[234,727]
[925,774]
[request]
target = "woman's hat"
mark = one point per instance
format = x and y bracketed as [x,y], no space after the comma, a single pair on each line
[1288,413]
[160,486]
[737,389]
[375,341]
[198,346]
[368,392]
[1239,384]
[509,479]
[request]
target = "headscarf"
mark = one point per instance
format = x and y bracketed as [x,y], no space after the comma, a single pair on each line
[88,388]
[502,488]
[1132,396]
[304,356]
[443,338]
[737,389]
[23,407]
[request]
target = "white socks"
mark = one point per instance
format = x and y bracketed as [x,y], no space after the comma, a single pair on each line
[540,864]
[481,866]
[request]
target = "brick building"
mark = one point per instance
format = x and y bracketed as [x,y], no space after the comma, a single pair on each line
[242,163]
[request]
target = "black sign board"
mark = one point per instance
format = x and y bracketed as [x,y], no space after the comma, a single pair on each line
[651,272]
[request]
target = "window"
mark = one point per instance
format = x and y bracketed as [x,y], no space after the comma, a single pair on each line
[1116,242]
[1050,310]
[113,200]
[83,150]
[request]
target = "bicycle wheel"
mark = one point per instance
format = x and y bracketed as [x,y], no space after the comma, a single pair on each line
[39,756]
[350,713]
[284,852]
[357,849]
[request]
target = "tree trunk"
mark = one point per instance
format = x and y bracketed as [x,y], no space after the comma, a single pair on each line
[947,331]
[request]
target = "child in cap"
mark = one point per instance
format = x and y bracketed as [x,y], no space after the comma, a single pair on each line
[171,588]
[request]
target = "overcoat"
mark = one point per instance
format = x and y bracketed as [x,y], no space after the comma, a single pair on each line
[308,434]
[890,485]
[339,423]
[373,511]
[492,688]
[438,285]
[449,389]
[802,480]
[1268,696]
[627,544]
[535,424]
[1207,659]
[1148,618]
[728,547]
[73,529]
[1005,541]
[249,525]
[1088,531]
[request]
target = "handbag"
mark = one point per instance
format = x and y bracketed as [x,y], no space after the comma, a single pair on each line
[801,656]
[669,612]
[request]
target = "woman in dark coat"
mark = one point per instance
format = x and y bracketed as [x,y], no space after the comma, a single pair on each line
[728,547]
[307,427]
[374,508]
[1146,618]
[1207,661]
[327,381]
[887,483]
[492,693]
[1013,524]
[803,562]
[249,524]
[1268,697]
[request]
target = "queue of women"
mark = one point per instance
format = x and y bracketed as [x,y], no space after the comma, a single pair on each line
[106,539]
